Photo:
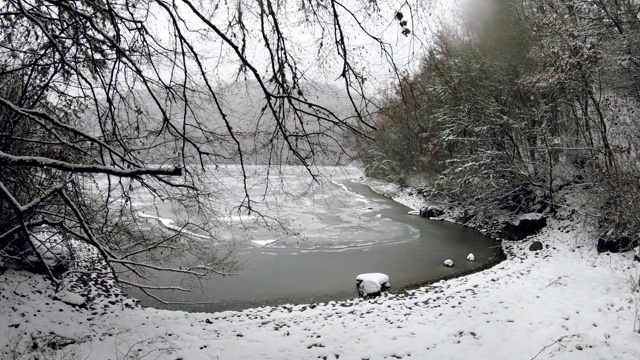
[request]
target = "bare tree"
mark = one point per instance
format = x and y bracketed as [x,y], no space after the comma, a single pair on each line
[101,98]
[535,105]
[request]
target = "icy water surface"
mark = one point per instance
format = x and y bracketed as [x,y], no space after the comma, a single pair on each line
[341,229]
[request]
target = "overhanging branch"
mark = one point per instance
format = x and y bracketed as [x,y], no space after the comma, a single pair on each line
[43,162]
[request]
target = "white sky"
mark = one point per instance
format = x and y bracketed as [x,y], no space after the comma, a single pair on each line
[323,65]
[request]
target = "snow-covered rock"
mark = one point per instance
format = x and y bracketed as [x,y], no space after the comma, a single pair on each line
[380,278]
[524,226]
[70,298]
[448,263]
[369,288]
[372,284]
[471,257]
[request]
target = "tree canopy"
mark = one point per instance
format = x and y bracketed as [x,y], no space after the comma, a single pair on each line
[510,109]
[99,98]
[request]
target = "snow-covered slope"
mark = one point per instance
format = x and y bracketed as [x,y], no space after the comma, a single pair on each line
[563,302]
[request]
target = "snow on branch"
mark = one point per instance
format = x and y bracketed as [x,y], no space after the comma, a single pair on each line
[41,162]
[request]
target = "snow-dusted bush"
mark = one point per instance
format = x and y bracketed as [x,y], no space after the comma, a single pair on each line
[525,110]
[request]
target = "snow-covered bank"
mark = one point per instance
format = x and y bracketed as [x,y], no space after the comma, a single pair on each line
[404,195]
[564,301]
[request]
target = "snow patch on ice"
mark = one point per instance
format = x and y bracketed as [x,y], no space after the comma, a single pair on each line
[237,218]
[169,224]
[346,189]
[471,257]
[262,243]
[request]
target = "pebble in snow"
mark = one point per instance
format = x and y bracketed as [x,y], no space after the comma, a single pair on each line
[448,263]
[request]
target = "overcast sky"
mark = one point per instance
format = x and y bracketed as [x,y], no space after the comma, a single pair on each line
[321,63]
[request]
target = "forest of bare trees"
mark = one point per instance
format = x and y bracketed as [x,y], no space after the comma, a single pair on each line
[532,107]
[99,98]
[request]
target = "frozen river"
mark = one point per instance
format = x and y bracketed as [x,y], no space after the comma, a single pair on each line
[337,229]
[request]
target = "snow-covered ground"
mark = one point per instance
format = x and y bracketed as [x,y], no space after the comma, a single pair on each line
[564,302]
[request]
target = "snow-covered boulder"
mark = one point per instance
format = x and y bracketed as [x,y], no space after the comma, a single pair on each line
[372,284]
[471,257]
[525,225]
[369,288]
[376,277]
[448,263]
[70,298]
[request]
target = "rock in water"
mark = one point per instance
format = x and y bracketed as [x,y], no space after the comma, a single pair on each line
[369,288]
[470,257]
[448,263]
[380,278]
[431,212]
[372,284]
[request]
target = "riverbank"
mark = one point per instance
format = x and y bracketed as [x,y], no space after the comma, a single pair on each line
[409,197]
[564,301]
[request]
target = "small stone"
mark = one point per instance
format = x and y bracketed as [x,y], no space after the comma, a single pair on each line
[536,246]
[448,263]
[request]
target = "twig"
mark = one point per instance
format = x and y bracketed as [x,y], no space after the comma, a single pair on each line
[554,342]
